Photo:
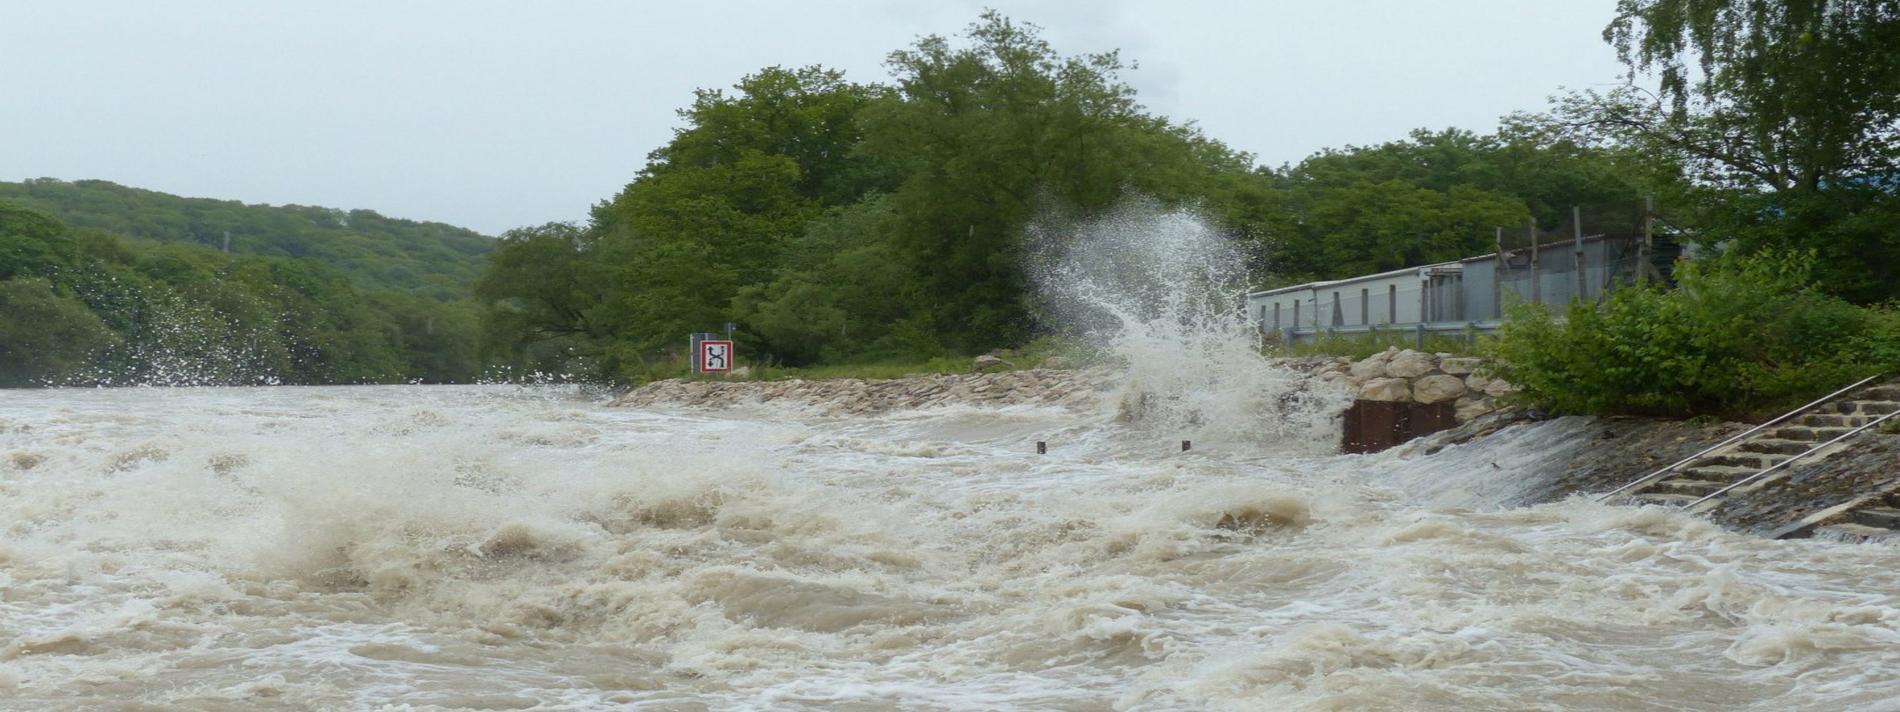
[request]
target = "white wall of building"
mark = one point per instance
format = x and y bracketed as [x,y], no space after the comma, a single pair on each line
[1374,300]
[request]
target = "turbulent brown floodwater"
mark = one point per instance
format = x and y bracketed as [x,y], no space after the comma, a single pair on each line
[425,548]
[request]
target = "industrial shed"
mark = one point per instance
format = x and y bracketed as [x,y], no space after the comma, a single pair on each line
[1464,296]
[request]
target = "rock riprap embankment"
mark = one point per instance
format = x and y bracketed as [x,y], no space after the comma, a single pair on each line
[1407,376]
[853,396]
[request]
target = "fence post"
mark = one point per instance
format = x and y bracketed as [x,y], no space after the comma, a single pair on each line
[1537,287]
[1576,229]
[1497,279]
[1645,258]
[1419,331]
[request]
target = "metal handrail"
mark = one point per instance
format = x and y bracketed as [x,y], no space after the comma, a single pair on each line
[1653,476]
[1785,463]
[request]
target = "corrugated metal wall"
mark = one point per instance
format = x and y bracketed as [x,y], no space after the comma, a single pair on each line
[1470,291]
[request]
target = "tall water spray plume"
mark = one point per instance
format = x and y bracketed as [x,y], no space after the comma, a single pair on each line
[1162,290]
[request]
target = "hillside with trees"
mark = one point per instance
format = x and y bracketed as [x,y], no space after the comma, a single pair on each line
[85,306]
[425,259]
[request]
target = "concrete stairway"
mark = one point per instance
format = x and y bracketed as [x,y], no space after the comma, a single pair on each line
[1810,431]
[1875,518]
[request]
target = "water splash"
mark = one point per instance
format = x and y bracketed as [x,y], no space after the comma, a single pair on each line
[1161,289]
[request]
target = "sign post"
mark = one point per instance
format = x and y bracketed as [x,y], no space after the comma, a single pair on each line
[713,356]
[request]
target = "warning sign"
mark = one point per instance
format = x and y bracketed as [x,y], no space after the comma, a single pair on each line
[715,356]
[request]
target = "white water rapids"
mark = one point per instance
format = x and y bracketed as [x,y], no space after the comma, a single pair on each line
[451,548]
[500,548]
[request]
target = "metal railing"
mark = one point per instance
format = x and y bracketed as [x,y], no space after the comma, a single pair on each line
[1784,417]
[1784,463]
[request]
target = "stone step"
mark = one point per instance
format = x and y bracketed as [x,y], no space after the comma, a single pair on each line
[1828,420]
[1685,485]
[1868,407]
[1665,499]
[1808,433]
[1719,473]
[1851,532]
[1885,392]
[1750,460]
[1885,517]
[1776,446]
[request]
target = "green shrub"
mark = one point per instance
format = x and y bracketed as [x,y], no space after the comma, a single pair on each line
[1738,337]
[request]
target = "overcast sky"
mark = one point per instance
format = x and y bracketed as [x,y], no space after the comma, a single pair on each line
[495,115]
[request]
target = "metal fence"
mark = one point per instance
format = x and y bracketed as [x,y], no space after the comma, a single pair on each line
[1590,254]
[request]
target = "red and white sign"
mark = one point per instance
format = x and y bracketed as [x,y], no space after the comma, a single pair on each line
[715,356]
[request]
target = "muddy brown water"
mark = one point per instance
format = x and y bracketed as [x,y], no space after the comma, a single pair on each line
[438,548]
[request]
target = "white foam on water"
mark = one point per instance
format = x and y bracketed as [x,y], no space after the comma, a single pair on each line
[489,547]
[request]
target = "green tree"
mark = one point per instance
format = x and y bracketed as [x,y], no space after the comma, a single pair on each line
[711,215]
[1789,123]
[1436,196]
[848,290]
[45,336]
[539,297]
[992,132]
[1367,227]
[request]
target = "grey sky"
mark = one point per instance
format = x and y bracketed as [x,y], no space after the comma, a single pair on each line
[500,114]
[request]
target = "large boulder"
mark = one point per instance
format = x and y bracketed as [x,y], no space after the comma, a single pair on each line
[1372,367]
[1457,366]
[1410,364]
[1386,389]
[1472,406]
[1477,381]
[1498,387]
[1437,388]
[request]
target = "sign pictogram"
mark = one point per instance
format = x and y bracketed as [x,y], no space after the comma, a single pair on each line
[715,356]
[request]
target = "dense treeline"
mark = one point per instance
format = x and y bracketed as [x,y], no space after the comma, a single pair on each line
[426,259]
[835,221]
[84,306]
[1785,119]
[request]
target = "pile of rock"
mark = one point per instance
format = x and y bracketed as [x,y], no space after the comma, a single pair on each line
[853,396]
[1409,376]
